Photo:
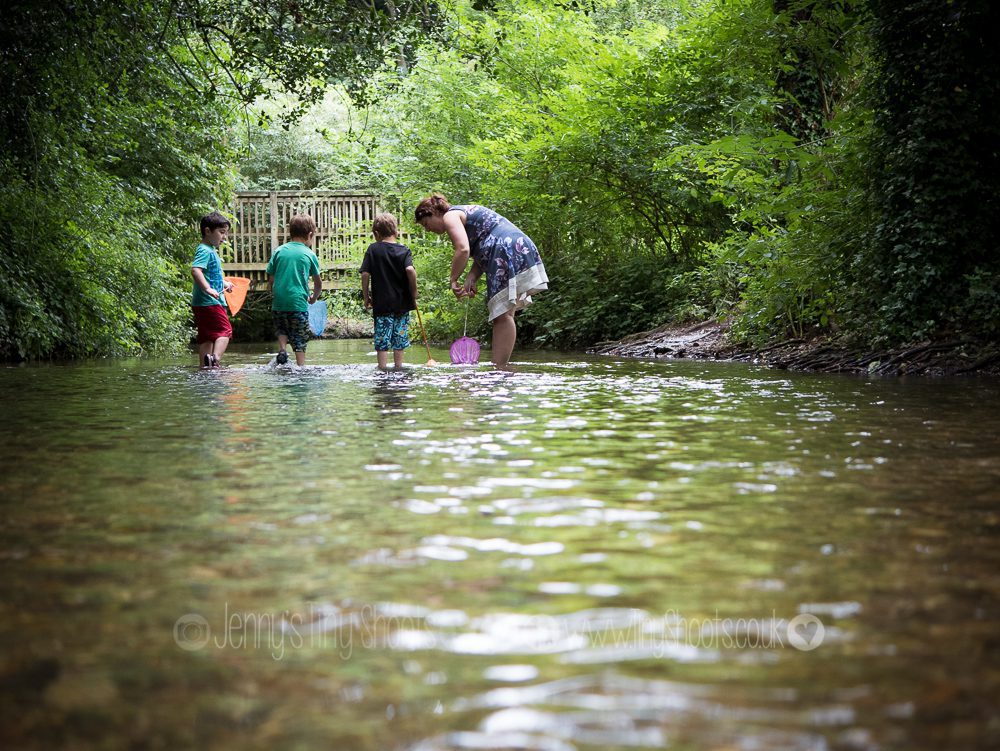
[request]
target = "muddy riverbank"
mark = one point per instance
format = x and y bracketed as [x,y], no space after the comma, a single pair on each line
[710,341]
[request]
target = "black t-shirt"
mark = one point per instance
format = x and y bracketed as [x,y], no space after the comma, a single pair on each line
[387,262]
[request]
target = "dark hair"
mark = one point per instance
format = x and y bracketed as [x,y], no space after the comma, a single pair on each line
[434,205]
[213,221]
[385,225]
[301,225]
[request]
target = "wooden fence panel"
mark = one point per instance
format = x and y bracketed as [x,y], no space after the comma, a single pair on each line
[343,231]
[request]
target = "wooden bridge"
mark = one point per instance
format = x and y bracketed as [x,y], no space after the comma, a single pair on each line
[343,231]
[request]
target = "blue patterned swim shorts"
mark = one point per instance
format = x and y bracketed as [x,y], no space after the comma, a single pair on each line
[392,332]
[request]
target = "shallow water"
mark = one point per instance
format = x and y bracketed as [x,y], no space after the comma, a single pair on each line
[587,553]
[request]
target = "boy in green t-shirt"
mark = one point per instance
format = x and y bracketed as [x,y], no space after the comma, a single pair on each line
[288,273]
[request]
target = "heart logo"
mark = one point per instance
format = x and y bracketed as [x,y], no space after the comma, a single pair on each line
[805,632]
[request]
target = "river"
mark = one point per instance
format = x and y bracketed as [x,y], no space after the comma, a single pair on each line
[588,553]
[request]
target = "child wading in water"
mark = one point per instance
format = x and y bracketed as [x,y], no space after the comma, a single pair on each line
[208,300]
[388,269]
[288,273]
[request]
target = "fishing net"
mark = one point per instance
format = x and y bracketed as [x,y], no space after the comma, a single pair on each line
[465,350]
[317,317]
[238,294]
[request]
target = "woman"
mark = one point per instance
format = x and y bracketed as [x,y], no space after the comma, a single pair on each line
[513,268]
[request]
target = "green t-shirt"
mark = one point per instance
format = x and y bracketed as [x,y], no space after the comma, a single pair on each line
[291,265]
[206,258]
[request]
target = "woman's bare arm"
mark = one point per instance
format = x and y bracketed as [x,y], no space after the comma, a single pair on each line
[455,227]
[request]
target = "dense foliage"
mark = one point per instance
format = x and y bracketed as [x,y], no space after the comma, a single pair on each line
[932,260]
[794,165]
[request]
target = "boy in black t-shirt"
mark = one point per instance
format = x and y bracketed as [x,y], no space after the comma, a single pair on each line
[388,269]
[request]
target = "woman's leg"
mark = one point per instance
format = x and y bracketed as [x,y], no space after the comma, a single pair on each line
[504,334]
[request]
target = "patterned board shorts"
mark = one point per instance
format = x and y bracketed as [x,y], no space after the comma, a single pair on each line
[392,332]
[295,325]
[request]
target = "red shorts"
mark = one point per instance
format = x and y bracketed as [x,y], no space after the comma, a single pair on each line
[212,322]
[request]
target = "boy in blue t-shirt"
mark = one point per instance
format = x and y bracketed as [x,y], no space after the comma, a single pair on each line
[388,269]
[208,300]
[288,273]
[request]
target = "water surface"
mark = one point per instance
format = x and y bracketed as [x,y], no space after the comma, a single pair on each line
[587,553]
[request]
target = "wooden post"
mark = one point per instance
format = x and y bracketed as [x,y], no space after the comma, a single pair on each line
[274,220]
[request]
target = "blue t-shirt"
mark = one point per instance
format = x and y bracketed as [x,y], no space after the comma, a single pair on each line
[207,259]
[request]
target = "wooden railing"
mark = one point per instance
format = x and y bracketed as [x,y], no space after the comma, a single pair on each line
[343,231]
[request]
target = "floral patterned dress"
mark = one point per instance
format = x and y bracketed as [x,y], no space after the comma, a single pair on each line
[510,261]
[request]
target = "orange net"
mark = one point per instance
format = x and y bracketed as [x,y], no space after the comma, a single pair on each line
[238,294]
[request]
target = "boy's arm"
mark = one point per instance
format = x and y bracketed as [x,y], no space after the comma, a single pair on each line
[317,279]
[365,292]
[201,281]
[270,271]
[411,275]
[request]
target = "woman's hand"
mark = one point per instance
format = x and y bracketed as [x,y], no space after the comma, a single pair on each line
[458,289]
[469,288]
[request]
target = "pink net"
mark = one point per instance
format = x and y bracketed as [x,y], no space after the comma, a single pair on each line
[465,351]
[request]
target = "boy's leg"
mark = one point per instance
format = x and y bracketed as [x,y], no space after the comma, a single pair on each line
[219,348]
[504,336]
[298,335]
[281,334]
[282,356]
[383,340]
[400,338]
[224,332]
[205,335]
[205,348]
